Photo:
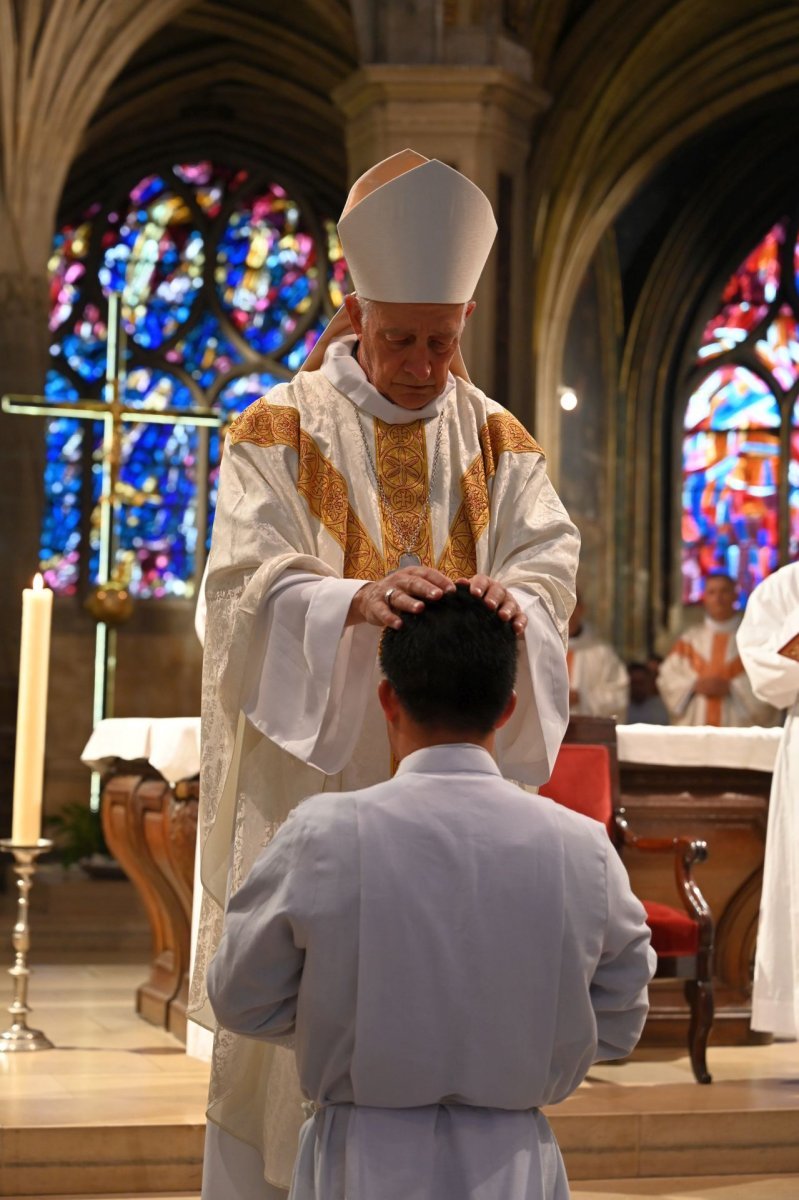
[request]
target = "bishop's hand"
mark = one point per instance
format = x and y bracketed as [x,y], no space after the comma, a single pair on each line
[498,598]
[405,590]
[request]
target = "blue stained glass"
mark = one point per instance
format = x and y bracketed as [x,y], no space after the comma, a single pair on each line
[746,297]
[156,260]
[60,535]
[779,349]
[266,268]
[243,391]
[338,280]
[67,269]
[197,174]
[730,507]
[732,398]
[237,395]
[147,189]
[147,388]
[152,249]
[298,353]
[210,183]
[205,352]
[157,486]
[793,496]
[83,346]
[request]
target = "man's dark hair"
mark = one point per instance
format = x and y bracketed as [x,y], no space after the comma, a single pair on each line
[453,664]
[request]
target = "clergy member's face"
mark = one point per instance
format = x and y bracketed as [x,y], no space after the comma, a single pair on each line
[406,349]
[719,598]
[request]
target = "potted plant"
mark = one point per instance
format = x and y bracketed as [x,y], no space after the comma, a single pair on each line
[78,833]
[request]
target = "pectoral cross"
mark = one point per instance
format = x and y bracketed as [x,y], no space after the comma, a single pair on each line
[114,415]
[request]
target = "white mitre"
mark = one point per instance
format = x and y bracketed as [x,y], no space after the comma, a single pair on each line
[413,231]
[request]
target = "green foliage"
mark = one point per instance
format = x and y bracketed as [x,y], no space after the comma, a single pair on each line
[78,833]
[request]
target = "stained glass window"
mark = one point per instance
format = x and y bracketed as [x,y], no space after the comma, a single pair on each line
[740,449]
[227,279]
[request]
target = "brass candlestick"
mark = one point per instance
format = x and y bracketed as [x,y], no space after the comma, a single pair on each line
[19,1036]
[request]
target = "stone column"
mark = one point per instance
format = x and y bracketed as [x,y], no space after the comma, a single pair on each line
[478,119]
[23,356]
[57,61]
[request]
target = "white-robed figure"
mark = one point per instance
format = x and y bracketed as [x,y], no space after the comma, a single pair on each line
[768,642]
[351,495]
[598,682]
[702,679]
[448,952]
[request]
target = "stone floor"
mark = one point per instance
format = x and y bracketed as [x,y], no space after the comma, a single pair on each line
[118,1105]
[719,1188]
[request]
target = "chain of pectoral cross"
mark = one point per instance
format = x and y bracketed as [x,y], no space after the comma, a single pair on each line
[114,415]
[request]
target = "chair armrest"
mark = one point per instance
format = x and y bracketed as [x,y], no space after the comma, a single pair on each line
[686,851]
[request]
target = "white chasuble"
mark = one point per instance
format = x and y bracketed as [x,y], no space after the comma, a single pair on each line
[289,690]
[770,624]
[598,676]
[703,650]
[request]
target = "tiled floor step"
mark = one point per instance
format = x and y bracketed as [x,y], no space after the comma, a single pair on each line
[717,1187]
[753,1187]
[117,1108]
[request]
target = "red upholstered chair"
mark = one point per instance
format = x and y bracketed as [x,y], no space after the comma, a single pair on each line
[586,779]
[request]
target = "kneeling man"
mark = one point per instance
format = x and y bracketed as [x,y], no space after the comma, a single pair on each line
[448,952]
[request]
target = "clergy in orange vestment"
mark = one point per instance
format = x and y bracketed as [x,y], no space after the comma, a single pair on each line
[702,679]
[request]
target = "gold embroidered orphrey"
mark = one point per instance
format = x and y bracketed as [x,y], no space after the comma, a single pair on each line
[401,456]
[501,434]
[401,461]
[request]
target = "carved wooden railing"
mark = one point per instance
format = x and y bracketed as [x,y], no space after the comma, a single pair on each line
[151,829]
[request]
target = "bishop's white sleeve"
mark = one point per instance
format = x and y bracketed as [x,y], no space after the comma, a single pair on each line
[771,621]
[254,977]
[309,688]
[527,745]
[533,551]
[619,995]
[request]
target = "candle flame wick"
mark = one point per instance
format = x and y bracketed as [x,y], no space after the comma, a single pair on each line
[38,582]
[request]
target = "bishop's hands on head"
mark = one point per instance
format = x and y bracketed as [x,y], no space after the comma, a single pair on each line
[362,489]
[406,590]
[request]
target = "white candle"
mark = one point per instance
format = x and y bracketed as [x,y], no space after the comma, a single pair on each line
[34,663]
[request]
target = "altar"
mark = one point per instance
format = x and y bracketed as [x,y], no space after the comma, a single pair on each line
[711,784]
[705,783]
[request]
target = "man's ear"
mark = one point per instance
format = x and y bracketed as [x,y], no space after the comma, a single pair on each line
[470,307]
[508,711]
[389,701]
[354,313]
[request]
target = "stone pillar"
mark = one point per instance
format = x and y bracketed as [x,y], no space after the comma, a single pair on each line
[478,119]
[23,358]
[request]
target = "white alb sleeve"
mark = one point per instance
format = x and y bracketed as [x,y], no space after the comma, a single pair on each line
[309,687]
[528,745]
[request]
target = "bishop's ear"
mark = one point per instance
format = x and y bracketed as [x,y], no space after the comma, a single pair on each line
[353,307]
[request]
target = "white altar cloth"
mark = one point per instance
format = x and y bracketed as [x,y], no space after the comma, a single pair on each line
[753,749]
[170,744]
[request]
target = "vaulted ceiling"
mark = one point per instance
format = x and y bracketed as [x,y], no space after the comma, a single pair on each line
[242,79]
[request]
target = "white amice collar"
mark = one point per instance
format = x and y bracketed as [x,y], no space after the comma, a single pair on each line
[728,626]
[343,370]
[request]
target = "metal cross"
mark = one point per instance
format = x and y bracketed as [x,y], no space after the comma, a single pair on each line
[114,415]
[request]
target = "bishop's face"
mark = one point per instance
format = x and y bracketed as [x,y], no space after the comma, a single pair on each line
[406,349]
